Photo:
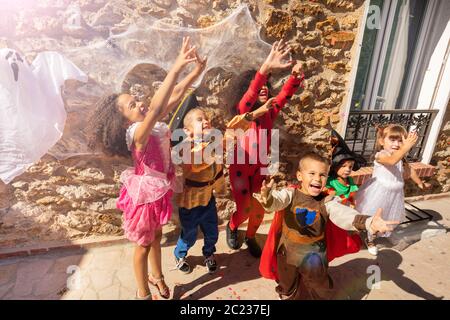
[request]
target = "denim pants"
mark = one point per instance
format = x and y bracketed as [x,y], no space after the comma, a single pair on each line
[204,217]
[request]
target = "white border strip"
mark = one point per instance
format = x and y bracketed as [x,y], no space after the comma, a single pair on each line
[362,27]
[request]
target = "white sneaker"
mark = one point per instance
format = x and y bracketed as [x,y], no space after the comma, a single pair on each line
[373,250]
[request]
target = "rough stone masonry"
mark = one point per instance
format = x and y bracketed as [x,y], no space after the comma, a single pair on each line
[75,198]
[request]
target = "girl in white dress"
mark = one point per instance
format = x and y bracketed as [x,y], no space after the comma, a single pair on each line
[385,188]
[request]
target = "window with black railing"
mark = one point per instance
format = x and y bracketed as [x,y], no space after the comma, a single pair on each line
[362,129]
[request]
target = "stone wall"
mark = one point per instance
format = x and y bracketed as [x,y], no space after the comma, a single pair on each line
[441,157]
[75,198]
[440,182]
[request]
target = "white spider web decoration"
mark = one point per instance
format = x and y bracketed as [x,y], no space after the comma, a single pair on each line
[233,44]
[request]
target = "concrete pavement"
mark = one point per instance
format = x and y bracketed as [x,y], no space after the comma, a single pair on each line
[421,271]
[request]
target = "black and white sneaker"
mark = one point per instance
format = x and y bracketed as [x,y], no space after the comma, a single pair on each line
[211,264]
[232,238]
[371,247]
[182,265]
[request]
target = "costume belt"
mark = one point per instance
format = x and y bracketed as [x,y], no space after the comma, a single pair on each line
[197,184]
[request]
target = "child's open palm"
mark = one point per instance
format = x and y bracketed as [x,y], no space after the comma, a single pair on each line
[266,188]
[266,107]
[411,140]
[187,54]
[379,225]
[277,54]
[200,64]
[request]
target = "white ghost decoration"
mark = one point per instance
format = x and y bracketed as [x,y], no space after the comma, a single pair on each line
[32,114]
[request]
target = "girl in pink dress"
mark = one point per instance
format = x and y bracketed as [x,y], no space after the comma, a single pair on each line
[122,125]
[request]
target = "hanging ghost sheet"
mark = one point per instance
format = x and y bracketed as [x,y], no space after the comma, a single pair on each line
[32,114]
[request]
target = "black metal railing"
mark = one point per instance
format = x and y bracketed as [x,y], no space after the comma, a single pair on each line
[361,129]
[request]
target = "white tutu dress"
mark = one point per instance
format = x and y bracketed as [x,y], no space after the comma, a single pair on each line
[384,190]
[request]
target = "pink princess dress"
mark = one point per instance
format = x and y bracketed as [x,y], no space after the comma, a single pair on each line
[145,197]
[384,190]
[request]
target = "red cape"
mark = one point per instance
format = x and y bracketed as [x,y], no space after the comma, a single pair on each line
[268,266]
[339,242]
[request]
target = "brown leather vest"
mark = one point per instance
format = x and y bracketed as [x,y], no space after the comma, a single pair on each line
[303,226]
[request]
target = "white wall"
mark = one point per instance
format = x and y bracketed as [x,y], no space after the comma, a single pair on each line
[435,90]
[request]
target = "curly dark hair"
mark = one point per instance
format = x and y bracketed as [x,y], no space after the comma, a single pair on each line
[240,87]
[106,127]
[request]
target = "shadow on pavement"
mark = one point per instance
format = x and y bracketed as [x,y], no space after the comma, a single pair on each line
[234,268]
[351,279]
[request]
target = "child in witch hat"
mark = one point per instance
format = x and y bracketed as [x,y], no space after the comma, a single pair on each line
[340,184]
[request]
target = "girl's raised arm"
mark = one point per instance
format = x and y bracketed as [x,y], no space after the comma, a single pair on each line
[399,154]
[162,95]
[274,61]
[289,88]
[180,89]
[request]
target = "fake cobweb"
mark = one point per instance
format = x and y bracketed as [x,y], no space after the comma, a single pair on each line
[233,44]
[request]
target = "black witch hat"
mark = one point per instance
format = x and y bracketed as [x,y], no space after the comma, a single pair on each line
[176,121]
[340,151]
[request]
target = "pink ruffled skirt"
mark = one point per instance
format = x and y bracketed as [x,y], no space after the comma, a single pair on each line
[141,221]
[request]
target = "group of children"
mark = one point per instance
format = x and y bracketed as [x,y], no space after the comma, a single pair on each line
[310,216]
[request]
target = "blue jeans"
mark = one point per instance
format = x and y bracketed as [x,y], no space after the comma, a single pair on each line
[191,219]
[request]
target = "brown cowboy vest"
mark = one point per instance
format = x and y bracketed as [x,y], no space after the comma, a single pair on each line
[300,236]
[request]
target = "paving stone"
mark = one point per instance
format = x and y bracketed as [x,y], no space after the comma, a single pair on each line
[126,260]
[51,284]
[101,279]
[126,294]
[104,260]
[62,264]
[32,269]
[126,278]
[23,288]
[85,262]
[89,294]
[4,289]
[73,295]
[7,273]
[110,293]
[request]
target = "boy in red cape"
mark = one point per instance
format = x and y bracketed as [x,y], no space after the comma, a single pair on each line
[295,251]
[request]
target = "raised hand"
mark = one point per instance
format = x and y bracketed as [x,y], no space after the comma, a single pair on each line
[187,55]
[274,60]
[263,109]
[379,225]
[200,64]
[411,140]
[297,69]
[266,188]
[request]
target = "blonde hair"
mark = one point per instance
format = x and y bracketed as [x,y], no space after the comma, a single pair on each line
[394,131]
[188,117]
[312,156]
